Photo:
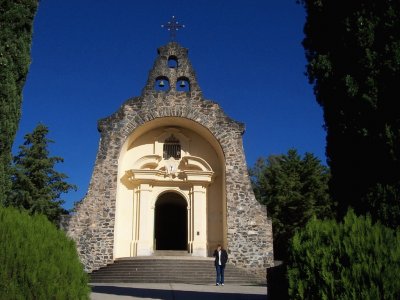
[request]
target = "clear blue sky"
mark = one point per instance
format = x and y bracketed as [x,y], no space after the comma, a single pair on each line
[89,56]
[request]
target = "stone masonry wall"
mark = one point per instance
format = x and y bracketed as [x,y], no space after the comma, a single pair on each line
[249,229]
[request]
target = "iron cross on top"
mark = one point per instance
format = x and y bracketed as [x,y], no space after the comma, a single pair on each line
[173,26]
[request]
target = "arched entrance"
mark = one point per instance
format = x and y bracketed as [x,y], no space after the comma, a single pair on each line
[170,223]
[184,160]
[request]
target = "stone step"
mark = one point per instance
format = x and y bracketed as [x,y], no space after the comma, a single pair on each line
[163,263]
[164,266]
[167,258]
[171,253]
[168,270]
[180,270]
[158,274]
[162,278]
[210,276]
[171,280]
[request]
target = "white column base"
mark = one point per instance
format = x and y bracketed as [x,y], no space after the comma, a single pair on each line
[133,251]
[144,249]
[200,248]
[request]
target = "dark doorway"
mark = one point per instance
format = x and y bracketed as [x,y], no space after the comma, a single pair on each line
[171,222]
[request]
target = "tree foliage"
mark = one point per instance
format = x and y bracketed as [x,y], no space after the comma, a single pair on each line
[36,185]
[353,53]
[16,22]
[355,259]
[383,200]
[37,260]
[293,189]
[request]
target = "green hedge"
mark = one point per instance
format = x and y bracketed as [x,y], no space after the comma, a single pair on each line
[351,260]
[38,261]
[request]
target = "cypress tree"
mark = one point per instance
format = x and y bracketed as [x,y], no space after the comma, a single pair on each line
[16,22]
[353,53]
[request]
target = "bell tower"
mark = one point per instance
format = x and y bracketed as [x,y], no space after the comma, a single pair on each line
[172,72]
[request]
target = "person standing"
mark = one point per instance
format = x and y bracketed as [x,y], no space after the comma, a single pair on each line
[221,257]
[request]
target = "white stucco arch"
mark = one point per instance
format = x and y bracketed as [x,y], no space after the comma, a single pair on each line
[143,176]
[171,190]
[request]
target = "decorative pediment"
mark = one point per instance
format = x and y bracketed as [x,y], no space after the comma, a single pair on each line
[147,162]
[154,168]
[194,162]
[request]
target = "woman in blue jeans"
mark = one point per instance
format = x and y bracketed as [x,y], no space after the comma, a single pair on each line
[221,257]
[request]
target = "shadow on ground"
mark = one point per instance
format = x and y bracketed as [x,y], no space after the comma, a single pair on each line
[164,294]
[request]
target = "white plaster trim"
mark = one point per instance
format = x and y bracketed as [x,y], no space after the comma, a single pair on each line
[147,160]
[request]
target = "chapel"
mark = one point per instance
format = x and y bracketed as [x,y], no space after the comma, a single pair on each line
[170,174]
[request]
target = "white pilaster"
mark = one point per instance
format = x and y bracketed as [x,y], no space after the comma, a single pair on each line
[190,222]
[135,222]
[146,221]
[199,220]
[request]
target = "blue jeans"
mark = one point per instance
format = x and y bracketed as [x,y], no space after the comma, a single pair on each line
[220,273]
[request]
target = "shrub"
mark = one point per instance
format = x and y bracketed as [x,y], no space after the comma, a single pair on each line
[351,260]
[37,260]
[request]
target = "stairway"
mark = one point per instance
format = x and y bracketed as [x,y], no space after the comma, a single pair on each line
[169,269]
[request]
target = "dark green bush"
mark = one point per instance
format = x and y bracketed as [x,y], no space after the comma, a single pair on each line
[38,261]
[351,260]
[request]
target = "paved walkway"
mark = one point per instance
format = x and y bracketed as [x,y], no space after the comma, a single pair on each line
[176,291]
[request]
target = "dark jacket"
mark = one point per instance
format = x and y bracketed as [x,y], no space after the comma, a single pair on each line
[224,257]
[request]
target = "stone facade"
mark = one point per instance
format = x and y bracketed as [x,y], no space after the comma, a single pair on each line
[249,231]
